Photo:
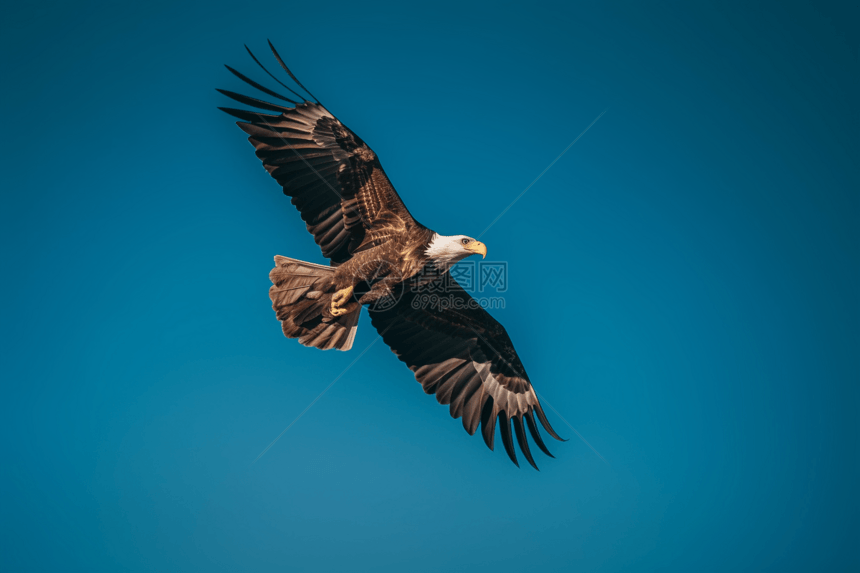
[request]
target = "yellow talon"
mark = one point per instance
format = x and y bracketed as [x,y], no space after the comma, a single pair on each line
[338,300]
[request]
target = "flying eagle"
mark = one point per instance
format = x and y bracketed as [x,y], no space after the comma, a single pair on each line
[380,256]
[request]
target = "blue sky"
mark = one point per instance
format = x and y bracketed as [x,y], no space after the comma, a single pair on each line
[682,289]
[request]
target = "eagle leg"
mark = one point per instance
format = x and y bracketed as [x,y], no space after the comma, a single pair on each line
[380,290]
[339,304]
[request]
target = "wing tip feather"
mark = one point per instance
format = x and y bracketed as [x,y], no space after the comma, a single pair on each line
[545,423]
[507,438]
[535,432]
[523,440]
[286,69]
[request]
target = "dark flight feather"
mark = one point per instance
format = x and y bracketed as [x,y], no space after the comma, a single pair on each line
[260,87]
[522,440]
[507,440]
[533,430]
[253,102]
[488,422]
[246,115]
[298,95]
[286,69]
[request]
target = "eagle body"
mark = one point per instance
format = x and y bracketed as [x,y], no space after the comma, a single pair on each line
[381,257]
[402,256]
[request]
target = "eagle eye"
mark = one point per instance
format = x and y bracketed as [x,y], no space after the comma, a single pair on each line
[465,241]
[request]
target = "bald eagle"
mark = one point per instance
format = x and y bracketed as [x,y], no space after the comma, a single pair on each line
[381,257]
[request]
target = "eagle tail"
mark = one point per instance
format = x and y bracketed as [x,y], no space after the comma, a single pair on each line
[301,296]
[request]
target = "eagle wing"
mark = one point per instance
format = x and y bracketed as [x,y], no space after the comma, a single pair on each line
[334,179]
[465,357]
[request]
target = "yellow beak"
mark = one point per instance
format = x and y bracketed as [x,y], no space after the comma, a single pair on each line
[478,248]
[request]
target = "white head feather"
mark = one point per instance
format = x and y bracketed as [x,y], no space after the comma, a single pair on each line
[446,251]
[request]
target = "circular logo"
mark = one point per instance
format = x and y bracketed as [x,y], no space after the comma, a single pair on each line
[384,285]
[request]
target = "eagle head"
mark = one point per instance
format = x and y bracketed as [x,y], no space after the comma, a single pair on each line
[448,250]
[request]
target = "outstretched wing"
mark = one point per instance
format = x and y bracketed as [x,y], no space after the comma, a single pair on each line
[335,180]
[465,357]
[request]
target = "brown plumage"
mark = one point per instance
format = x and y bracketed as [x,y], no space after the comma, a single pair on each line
[380,256]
